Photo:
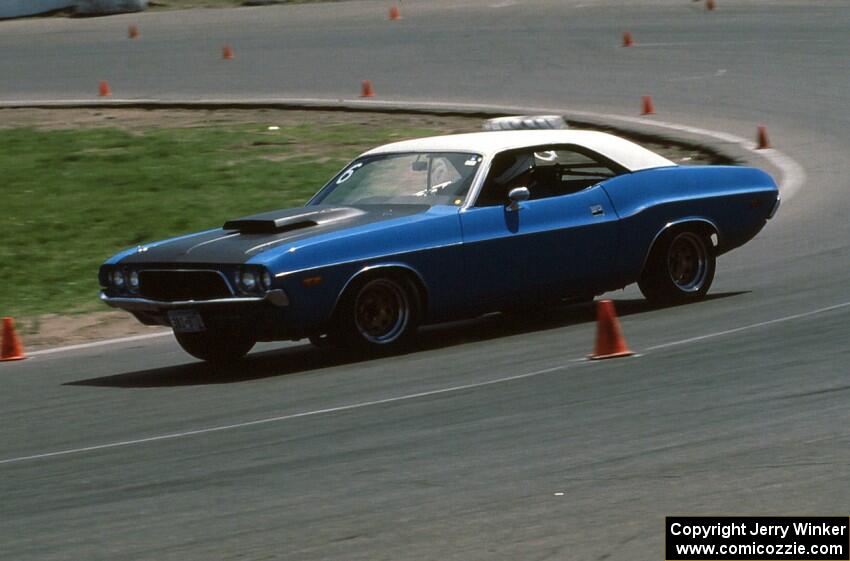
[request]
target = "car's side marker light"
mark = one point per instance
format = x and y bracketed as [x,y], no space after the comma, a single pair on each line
[311,281]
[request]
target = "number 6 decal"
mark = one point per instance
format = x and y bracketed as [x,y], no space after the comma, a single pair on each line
[347,174]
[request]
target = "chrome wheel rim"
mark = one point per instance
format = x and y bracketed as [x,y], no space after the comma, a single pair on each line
[381,311]
[687,262]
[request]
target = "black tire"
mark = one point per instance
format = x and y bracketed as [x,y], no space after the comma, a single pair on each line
[217,347]
[680,268]
[378,312]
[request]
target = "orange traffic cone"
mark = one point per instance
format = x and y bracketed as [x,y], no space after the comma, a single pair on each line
[395,13]
[763,141]
[648,106]
[709,5]
[11,347]
[132,32]
[103,89]
[627,39]
[366,89]
[227,52]
[609,338]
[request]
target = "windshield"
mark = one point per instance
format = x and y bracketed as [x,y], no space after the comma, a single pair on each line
[433,178]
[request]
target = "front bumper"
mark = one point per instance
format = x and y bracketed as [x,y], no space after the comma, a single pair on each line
[266,318]
[277,298]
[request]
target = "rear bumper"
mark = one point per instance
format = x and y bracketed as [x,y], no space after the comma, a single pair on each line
[775,207]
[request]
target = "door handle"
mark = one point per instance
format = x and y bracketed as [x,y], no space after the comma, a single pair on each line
[597,210]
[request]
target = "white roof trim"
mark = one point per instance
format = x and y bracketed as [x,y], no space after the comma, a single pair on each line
[631,156]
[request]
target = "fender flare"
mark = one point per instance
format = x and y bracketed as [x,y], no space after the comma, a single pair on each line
[680,222]
[421,286]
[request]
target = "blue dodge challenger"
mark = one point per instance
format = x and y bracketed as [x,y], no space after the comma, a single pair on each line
[440,228]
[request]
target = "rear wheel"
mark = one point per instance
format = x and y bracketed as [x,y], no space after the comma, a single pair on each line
[680,268]
[218,346]
[378,312]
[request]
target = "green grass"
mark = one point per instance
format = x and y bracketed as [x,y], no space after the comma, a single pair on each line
[72,198]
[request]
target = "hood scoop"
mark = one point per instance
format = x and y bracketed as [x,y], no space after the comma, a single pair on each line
[271,223]
[248,226]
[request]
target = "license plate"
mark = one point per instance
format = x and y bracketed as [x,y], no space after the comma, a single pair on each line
[186,321]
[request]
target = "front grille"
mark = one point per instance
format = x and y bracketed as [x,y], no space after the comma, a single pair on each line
[171,286]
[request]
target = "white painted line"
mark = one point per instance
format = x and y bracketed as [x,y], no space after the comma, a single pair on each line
[408,397]
[748,327]
[288,417]
[105,342]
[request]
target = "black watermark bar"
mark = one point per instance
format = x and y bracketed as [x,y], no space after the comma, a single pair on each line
[764,538]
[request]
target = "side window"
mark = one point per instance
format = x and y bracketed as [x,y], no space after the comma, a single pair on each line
[575,169]
[508,170]
[547,172]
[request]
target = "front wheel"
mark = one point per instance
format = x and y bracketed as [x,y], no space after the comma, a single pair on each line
[680,268]
[215,346]
[380,312]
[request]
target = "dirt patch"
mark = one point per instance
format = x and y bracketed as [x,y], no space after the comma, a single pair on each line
[54,330]
[134,119]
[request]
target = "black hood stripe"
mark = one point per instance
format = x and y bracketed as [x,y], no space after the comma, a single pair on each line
[228,247]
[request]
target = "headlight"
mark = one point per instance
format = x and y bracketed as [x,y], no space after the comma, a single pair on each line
[118,279]
[266,280]
[133,280]
[249,280]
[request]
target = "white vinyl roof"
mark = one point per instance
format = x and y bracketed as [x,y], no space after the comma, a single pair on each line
[631,156]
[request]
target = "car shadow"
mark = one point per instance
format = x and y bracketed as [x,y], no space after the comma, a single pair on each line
[305,358]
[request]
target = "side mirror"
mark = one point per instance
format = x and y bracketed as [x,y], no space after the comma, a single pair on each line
[516,196]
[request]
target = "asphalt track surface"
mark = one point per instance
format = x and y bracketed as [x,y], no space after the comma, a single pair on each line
[491,440]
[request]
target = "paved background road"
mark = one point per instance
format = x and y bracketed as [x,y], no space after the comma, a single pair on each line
[489,441]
